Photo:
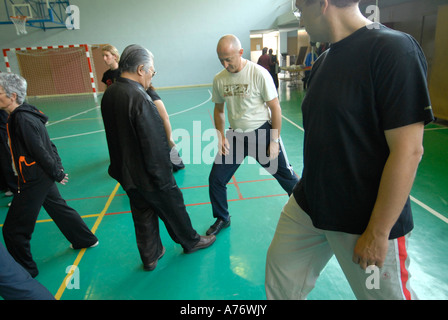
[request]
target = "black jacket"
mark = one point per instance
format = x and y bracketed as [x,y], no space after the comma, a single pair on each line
[32,150]
[138,146]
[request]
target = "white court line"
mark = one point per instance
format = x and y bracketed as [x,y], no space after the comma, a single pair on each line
[432,211]
[75,115]
[421,204]
[192,108]
[293,123]
[435,129]
[93,132]
[78,135]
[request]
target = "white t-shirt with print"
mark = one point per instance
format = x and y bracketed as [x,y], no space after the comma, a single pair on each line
[245,94]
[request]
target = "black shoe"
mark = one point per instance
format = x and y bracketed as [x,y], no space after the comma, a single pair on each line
[153,265]
[218,226]
[204,242]
[177,167]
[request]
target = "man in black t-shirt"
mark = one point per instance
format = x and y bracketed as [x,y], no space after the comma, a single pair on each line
[363,115]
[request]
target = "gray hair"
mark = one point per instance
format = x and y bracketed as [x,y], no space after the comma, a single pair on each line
[134,56]
[13,83]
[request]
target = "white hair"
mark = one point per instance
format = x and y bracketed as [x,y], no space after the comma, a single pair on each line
[14,83]
[134,56]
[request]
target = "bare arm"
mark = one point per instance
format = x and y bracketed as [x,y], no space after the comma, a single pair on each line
[276,118]
[166,121]
[220,123]
[398,176]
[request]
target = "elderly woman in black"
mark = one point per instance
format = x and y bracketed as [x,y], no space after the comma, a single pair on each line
[38,167]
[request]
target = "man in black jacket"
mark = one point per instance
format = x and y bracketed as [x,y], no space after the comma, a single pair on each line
[140,162]
[38,167]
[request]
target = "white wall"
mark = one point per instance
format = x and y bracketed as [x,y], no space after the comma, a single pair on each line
[181,34]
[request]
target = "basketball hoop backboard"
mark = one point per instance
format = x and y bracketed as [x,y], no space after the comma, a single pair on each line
[23,9]
[41,14]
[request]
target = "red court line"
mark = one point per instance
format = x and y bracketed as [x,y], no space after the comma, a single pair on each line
[240,196]
[183,188]
[206,203]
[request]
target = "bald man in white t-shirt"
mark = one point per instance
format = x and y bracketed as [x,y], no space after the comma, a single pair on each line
[254,113]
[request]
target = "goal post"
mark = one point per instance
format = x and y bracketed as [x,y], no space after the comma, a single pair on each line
[54,70]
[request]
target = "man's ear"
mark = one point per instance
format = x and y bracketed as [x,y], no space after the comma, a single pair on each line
[324,6]
[140,70]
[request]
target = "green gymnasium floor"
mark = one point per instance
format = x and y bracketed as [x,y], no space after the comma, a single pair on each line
[233,268]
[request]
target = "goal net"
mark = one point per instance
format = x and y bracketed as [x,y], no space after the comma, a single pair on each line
[55,70]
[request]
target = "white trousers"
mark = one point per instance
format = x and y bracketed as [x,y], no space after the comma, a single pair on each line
[299,252]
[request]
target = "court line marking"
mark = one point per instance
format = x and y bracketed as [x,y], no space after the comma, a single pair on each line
[236,184]
[200,204]
[432,211]
[435,129]
[237,187]
[78,135]
[82,251]
[421,204]
[98,131]
[293,123]
[71,117]
[195,107]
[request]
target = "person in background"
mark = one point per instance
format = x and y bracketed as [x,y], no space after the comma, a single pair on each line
[364,114]
[111,58]
[176,160]
[274,67]
[139,160]
[38,166]
[311,57]
[265,60]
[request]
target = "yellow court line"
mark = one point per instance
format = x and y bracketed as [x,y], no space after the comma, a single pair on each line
[82,251]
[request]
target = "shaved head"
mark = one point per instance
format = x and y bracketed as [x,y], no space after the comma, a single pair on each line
[230,53]
[229,42]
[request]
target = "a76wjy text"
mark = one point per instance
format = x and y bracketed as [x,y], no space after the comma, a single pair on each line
[230,309]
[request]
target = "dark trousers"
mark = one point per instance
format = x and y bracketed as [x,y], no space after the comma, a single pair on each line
[16,283]
[22,216]
[254,144]
[168,205]
[8,176]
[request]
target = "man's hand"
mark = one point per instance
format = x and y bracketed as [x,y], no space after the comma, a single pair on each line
[273,150]
[223,148]
[370,250]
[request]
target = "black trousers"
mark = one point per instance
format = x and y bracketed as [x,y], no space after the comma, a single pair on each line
[255,145]
[22,216]
[9,179]
[168,205]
